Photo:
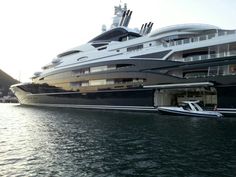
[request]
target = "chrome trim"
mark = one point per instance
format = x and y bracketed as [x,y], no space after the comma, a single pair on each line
[183,85]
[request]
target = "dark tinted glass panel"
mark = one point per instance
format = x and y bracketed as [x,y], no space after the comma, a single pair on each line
[153,55]
[68,53]
[114,35]
[99,45]
[137,47]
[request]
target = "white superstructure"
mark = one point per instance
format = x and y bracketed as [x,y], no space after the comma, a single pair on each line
[123,59]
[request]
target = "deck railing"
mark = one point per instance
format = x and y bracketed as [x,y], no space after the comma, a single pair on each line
[205,57]
[199,38]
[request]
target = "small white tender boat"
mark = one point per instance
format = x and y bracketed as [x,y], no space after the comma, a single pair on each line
[189,108]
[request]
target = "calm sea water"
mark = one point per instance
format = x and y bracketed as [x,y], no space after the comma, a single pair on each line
[70,142]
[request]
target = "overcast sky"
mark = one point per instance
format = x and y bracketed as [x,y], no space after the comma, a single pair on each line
[33,32]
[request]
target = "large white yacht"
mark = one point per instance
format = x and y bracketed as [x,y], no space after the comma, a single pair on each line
[130,69]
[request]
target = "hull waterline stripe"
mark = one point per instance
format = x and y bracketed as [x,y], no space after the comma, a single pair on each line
[98,91]
[134,108]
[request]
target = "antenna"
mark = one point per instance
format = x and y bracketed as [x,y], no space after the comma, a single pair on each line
[19,76]
[120,14]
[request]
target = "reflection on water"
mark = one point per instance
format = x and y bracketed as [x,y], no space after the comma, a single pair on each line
[70,142]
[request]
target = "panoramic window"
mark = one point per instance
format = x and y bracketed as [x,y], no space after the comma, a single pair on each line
[102,68]
[137,47]
[98,69]
[232,68]
[97,82]
[100,82]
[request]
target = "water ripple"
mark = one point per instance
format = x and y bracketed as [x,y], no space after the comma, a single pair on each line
[69,142]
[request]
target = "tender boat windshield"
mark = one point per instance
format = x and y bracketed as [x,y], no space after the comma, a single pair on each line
[197,107]
[186,107]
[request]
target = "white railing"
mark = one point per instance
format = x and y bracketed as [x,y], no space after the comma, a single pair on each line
[213,71]
[199,38]
[205,57]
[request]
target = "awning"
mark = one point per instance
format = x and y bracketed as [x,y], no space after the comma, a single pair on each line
[182,85]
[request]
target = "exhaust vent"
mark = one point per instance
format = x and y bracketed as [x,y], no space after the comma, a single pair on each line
[146,28]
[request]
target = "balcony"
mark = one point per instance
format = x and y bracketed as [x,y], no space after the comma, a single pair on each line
[205,57]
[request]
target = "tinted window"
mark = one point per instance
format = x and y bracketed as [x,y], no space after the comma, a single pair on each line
[114,35]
